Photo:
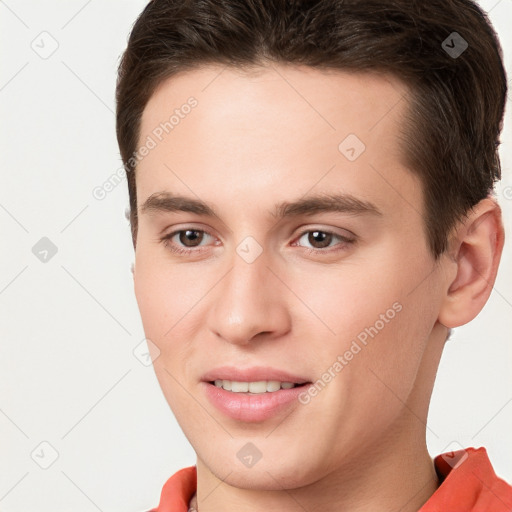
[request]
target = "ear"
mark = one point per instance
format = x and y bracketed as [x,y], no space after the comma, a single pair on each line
[475,253]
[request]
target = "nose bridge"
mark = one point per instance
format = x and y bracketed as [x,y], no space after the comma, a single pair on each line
[247,301]
[251,280]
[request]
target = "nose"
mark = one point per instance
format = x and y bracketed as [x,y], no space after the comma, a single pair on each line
[249,301]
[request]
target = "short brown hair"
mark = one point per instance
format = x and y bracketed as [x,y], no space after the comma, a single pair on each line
[451,132]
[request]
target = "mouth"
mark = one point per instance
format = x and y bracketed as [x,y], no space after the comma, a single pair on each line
[254,401]
[255,387]
[253,394]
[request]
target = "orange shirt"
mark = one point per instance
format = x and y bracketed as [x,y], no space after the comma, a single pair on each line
[469,484]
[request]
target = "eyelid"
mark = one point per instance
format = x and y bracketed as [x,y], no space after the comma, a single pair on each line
[344,234]
[168,237]
[343,241]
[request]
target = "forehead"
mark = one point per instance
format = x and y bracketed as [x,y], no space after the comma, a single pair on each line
[276,130]
[277,96]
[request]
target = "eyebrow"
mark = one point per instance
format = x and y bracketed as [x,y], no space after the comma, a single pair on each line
[310,205]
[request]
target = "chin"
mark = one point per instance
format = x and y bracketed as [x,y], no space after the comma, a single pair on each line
[271,473]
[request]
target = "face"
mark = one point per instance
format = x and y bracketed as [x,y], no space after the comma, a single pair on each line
[281,238]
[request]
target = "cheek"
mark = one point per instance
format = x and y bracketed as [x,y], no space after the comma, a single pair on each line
[153,302]
[375,325]
[166,309]
[165,293]
[169,298]
[346,302]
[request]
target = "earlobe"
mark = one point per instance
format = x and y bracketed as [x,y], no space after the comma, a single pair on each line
[478,246]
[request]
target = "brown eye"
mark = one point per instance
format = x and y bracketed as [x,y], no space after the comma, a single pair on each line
[319,239]
[318,242]
[188,242]
[191,237]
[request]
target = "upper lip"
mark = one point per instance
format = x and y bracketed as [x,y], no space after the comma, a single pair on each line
[252,374]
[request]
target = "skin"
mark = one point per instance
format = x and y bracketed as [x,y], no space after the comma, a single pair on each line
[256,139]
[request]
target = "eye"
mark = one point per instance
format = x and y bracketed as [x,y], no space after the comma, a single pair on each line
[184,241]
[194,241]
[321,240]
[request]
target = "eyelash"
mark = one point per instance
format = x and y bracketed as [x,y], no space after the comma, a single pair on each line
[345,242]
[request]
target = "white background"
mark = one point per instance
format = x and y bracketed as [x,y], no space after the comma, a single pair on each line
[68,327]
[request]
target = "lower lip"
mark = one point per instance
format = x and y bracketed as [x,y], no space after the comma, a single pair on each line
[252,407]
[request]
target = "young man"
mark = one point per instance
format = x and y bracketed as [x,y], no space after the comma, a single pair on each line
[311,208]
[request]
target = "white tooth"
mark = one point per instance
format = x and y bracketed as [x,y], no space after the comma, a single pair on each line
[273,385]
[258,387]
[239,387]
